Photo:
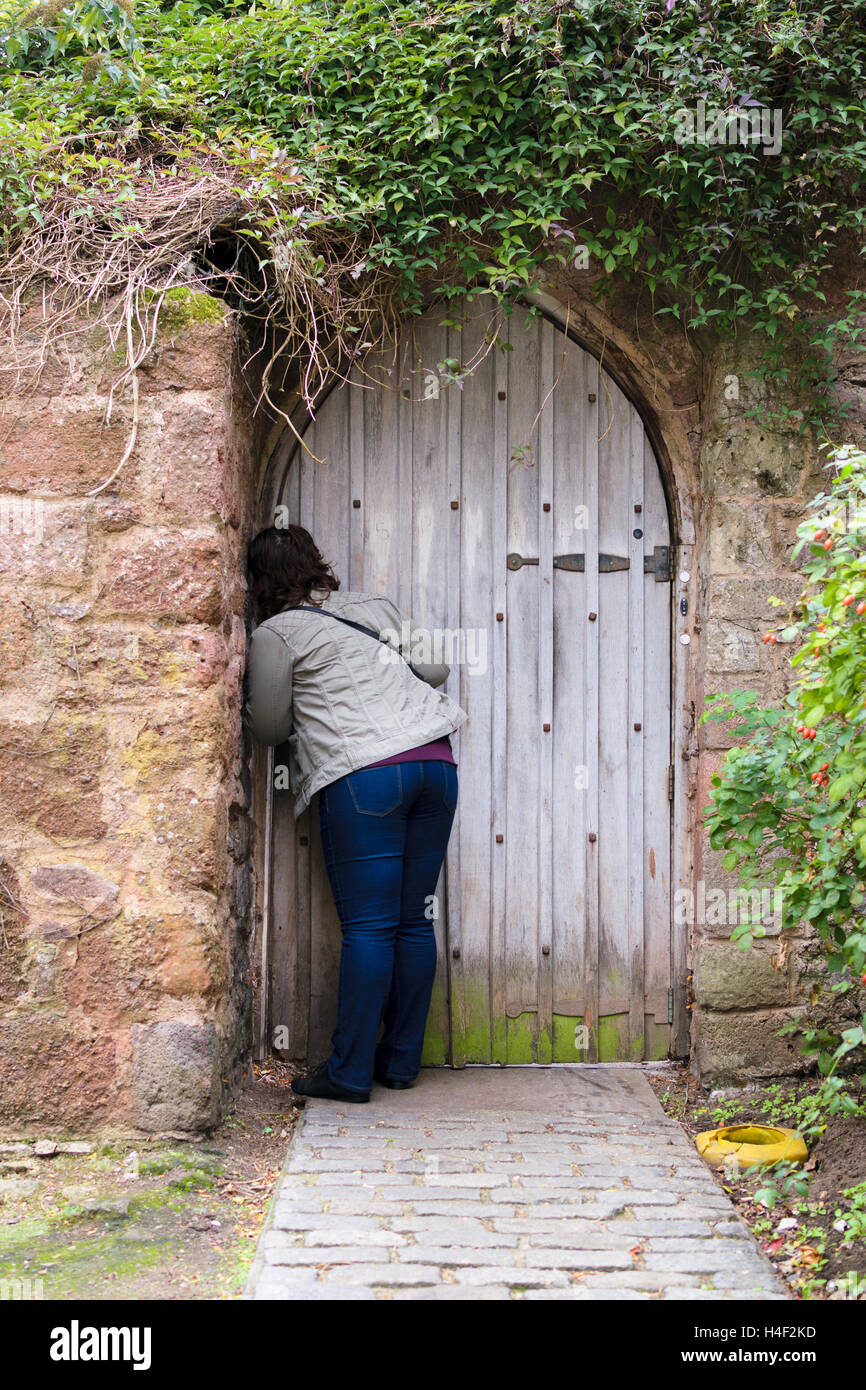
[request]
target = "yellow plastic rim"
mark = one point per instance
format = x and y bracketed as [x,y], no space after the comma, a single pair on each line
[751,1143]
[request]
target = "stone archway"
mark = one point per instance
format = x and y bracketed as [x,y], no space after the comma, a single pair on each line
[288,948]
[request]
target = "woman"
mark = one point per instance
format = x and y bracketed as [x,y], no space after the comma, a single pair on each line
[371,738]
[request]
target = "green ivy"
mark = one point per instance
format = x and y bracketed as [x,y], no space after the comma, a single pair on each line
[472,144]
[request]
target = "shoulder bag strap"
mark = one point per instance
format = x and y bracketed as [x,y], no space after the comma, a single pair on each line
[371,632]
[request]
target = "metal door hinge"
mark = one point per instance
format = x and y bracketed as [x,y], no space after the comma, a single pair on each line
[660,563]
[670,781]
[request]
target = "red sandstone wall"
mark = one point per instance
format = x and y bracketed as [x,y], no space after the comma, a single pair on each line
[123,830]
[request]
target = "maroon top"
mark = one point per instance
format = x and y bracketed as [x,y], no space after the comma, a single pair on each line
[437,751]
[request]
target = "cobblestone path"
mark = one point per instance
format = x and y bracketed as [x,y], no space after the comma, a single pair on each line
[504,1183]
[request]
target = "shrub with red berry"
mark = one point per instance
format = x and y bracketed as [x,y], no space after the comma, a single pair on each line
[788,806]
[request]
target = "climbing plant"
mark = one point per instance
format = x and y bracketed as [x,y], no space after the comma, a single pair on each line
[789,804]
[331,165]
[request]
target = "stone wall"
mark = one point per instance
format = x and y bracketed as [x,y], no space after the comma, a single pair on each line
[124,831]
[755,483]
[125,879]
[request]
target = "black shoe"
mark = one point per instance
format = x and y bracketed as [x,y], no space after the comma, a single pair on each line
[392,1085]
[321,1087]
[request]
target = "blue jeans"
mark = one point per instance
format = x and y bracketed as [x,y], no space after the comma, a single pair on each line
[384,835]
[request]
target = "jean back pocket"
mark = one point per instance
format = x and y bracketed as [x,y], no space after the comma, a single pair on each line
[376,791]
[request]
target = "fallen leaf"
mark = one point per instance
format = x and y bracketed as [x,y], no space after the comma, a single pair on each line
[809,1256]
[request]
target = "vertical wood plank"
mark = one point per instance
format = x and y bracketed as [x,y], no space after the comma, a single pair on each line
[457,686]
[286,1010]
[591,707]
[575,446]
[477,483]
[549,364]
[288,976]
[405,513]
[426,514]
[613,621]
[635,738]
[354,578]
[657,756]
[524,713]
[330,481]
[381,518]
[497,633]
[263,847]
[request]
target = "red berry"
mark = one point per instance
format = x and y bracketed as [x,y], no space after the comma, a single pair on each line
[848,599]
[819,535]
[824,767]
[861,608]
[828,544]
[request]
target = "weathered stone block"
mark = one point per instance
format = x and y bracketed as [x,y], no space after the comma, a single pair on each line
[746,601]
[44,541]
[786,517]
[57,1070]
[732,647]
[727,977]
[52,781]
[731,1047]
[176,1082]
[191,474]
[740,538]
[59,447]
[168,576]
[190,960]
[192,349]
[738,616]
[744,460]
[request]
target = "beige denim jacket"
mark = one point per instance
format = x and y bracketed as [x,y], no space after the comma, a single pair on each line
[338,698]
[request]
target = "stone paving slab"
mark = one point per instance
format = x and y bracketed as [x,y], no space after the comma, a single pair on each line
[565,1182]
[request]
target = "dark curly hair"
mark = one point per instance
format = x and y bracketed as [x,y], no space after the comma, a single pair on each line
[285,564]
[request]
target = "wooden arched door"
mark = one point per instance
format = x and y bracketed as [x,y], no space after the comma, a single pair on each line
[517,511]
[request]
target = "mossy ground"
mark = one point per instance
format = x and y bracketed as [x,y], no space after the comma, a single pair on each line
[823,1253]
[178,1219]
